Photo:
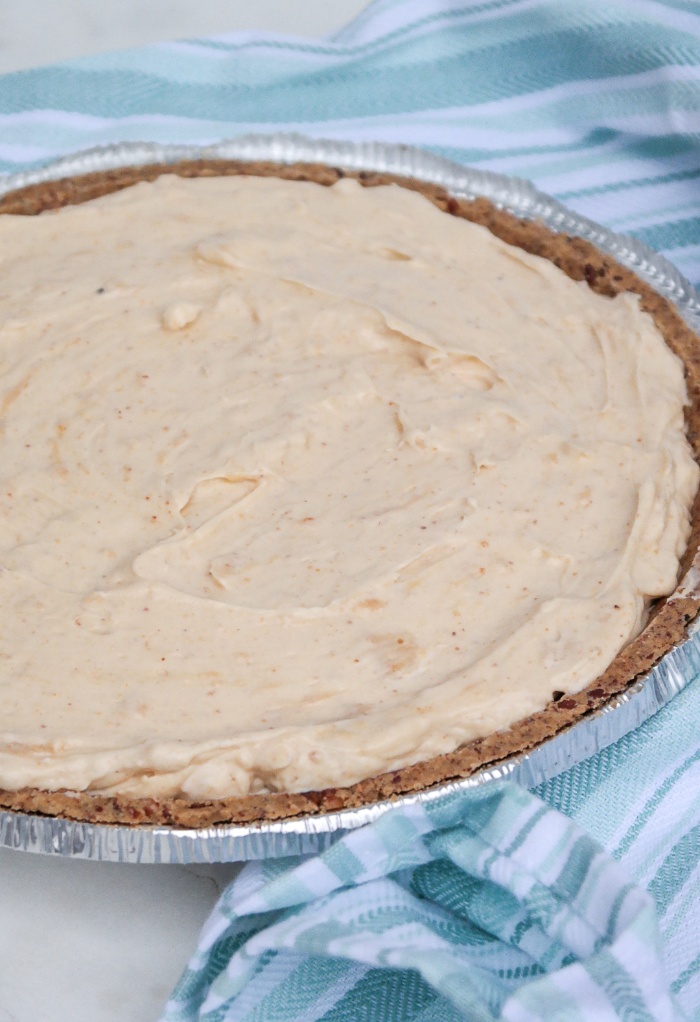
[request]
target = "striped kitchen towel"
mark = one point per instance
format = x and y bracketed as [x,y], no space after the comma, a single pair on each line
[598,102]
[484,905]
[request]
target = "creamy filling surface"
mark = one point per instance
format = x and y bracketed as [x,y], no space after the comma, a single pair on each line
[301,484]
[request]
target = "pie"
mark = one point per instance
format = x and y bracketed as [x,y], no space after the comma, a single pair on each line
[320,488]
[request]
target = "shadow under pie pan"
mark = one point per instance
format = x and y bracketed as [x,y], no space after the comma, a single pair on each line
[648,672]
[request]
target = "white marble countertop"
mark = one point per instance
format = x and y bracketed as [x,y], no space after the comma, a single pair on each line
[96,941]
[34,32]
[89,941]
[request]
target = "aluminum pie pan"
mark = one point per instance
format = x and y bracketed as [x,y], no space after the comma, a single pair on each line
[623,713]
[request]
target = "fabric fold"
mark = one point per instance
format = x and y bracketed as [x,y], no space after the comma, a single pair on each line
[502,906]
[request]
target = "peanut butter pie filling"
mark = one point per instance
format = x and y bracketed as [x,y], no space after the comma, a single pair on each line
[305,484]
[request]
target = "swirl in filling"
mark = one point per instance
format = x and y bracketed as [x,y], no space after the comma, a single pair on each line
[301,484]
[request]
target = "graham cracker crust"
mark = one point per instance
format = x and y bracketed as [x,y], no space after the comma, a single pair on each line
[669,617]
